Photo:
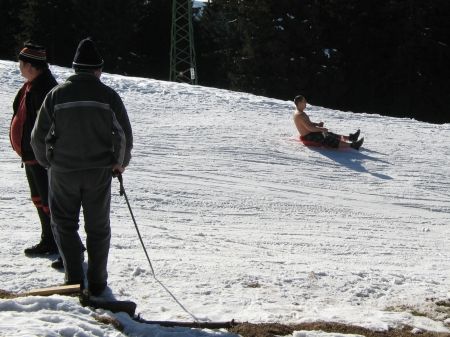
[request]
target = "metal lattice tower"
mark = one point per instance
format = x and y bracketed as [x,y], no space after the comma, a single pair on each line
[182,52]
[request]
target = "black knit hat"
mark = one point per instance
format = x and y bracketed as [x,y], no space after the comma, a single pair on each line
[34,54]
[87,56]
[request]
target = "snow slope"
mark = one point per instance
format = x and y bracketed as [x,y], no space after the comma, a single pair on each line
[242,221]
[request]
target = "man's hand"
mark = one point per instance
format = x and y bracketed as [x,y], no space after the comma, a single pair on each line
[117,169]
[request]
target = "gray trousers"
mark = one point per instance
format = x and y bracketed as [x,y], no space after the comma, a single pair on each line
[68,192]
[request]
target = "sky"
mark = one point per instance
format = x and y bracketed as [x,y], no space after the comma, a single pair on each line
[242,221]
[199,3]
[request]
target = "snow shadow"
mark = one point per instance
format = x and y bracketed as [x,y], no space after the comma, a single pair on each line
[354,160]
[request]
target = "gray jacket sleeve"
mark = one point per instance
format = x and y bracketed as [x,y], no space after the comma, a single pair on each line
[122,133]
[40,131]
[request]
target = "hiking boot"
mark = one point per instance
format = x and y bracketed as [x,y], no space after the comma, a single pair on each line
[59,264]
[41,248]
[357,145]
[353,137]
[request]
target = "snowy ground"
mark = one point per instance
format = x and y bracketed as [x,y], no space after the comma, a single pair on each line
[242,221]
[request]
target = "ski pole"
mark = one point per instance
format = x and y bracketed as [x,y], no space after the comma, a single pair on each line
[122,192]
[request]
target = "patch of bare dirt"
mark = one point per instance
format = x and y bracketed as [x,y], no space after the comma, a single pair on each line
[7,294]
[275,329]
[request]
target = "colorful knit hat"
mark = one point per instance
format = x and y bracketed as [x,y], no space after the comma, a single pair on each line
[34,54]
[87,56]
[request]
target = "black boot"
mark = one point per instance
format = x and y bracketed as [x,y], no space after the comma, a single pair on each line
[353,137]
[42,248]
[59,264]
[357,145]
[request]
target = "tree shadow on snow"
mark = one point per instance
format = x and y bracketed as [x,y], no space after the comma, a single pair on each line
[354,160]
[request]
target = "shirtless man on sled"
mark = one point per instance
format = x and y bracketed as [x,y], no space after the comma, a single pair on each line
[314,134]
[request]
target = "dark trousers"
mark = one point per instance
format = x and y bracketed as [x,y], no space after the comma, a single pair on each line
[38,182]
[329,139]
[69,191]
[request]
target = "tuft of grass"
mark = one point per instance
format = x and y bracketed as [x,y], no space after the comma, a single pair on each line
[4,294]
[110,321]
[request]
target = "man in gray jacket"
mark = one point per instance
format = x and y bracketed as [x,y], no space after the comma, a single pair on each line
[83,135]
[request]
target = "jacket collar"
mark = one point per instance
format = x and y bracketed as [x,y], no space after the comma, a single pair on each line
[42,77]
[83,76]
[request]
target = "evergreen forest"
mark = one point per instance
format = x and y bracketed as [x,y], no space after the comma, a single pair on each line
[390,57]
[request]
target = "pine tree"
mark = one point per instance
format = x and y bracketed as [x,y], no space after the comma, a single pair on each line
[47,23]
[113,25]
[9,26]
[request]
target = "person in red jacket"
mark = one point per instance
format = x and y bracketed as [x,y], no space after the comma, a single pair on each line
[38,82]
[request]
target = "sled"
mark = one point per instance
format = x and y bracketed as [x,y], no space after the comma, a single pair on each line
[72,289]
[114,306]
[310,143]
